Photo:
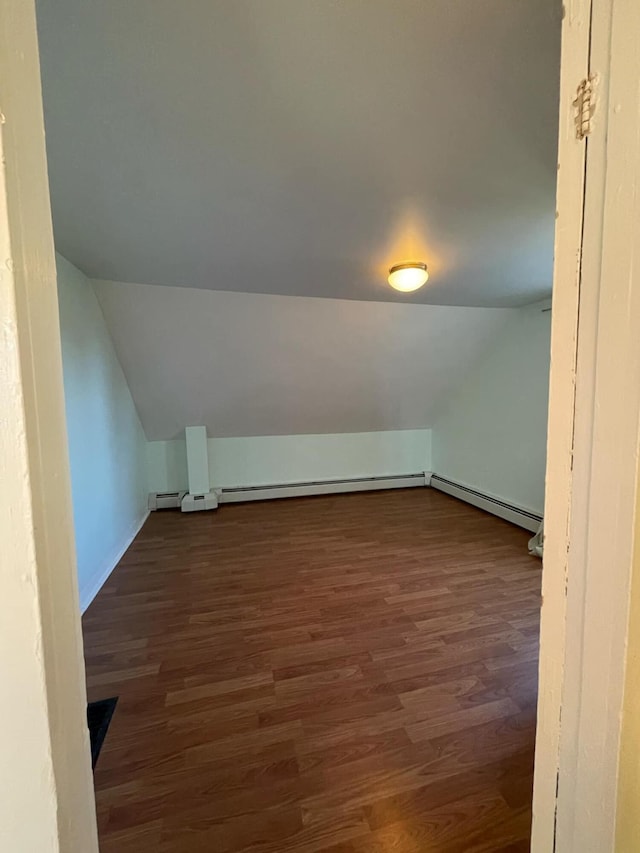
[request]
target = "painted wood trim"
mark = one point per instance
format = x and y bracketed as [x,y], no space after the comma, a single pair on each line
[559,480]
[47,802]
[593,455]
[606,448]
[627,823]
[595,146]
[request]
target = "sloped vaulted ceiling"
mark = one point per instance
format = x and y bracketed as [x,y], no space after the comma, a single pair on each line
[303,146]
[246,364]
[242,158]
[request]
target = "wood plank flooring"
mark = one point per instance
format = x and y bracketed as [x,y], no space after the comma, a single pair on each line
[347,674]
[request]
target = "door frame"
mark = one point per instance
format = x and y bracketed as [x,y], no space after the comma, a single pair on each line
[594,426]
[594,421]
[47,802]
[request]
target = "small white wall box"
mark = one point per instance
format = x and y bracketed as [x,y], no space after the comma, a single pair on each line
[165,500]
[195,503]
[200,496]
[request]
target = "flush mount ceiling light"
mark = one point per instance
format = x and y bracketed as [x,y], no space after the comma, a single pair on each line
[408,277]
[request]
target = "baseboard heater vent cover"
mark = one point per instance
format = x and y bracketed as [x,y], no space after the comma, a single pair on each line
[510,512]
[321,487]
[165,500]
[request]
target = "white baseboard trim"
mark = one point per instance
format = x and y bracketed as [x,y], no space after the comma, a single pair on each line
[522,516]
[321,487]
[87,596]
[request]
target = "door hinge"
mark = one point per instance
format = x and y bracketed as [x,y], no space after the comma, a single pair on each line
[584,104]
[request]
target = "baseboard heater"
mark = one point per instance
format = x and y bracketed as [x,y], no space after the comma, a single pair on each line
[515,514]
[320,487]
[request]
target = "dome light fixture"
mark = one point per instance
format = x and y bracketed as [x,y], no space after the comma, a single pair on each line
[408,277]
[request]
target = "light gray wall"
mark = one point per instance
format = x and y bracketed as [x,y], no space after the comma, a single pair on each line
[492,432]
[106,439]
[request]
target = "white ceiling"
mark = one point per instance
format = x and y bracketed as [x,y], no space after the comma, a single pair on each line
[247,364]
[302,146]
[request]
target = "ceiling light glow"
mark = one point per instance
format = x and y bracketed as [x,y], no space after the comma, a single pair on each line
[408,277]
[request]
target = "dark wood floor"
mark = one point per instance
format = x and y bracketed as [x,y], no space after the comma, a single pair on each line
[353,674]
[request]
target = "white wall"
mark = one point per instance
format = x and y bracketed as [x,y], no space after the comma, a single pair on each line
[106,439]
[492,431]
[265,460]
